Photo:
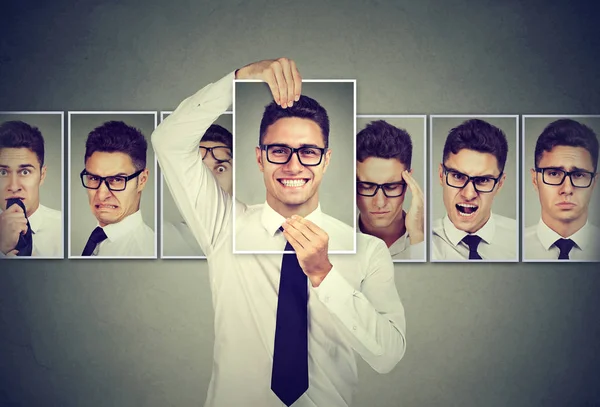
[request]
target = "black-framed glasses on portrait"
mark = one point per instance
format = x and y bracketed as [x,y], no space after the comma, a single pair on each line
[219,153]
[390,189]
[456,179]
[556,176]
[114,182]
[308,156]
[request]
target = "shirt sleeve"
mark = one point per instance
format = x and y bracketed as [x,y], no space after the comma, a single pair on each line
[417,251]
[205,207]
[373,317]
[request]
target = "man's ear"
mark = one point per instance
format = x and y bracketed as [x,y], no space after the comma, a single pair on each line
[258,153]
[326,158]
[534,179]
[142,179]
[42,175]
[441,174]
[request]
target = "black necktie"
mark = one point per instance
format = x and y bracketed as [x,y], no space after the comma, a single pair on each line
[25,243]
[565,246]
[289,378]
[97,236]
[472,241]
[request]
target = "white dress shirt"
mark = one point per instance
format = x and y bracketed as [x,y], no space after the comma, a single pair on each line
[179,241]
[356,309]
[401,249]
[538,243]
[498,240]
[46,225]
[257,224]
[130,237]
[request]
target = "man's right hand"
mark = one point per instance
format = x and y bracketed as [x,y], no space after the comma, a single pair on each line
[12,224]
[281,75]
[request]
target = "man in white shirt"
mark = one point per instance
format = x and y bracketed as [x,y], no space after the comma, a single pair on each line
[565,174]
[216,148]
[114,176]
[37,230]
[350,302]
[471,174]
[383,172]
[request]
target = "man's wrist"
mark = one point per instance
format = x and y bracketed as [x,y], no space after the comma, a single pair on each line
[416,237]
[317,278]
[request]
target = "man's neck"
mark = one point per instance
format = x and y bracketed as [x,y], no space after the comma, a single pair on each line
[565,229]
[388,234]
[287,211]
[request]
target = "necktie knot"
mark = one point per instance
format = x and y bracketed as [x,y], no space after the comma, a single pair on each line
[473,242]
[565,246]
[97,237]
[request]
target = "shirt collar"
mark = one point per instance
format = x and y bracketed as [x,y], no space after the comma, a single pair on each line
[455,236]
[116,230]
[548,236]
[272,220]
[36,220]
[400,245]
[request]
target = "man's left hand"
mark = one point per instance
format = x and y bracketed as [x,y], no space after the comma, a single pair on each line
[415,218]
[310,243]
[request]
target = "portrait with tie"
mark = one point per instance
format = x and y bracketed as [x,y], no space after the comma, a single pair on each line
[112,178]
[295,158]
[31,173]
[475,206]
[561,154]
[290,314]
[216,147]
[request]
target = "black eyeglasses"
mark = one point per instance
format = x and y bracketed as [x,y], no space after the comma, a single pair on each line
[114,183]
[457,179]
[556,176]
[219,153]
[390,189]
[308,156]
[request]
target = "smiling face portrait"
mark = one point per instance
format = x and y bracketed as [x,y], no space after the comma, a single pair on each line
[115,155]
[22,170]
[565,174]
[292,182]
[472,173]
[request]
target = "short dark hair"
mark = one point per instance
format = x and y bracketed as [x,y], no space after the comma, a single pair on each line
[480,136]
[18,134]
[382,140]
[218,134]
[304,108]
[116,136]
[567,132]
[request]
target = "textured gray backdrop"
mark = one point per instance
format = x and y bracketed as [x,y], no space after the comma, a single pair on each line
[125,333]
[82,219]
[532,128]
[336,193]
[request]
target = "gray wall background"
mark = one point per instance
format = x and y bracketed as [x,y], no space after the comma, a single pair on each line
[532,128]
[50,125]
[505,201]
[336,192]
[123,333]
[416,128]
[82,220]
[170,212]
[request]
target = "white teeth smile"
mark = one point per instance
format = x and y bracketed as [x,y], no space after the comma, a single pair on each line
[466,210]
[293,182]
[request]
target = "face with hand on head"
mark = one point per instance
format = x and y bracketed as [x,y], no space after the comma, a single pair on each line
[115,172]
[384,154]
[22,172]
[472,172]
[216,148]
[293,155]
[565,173]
